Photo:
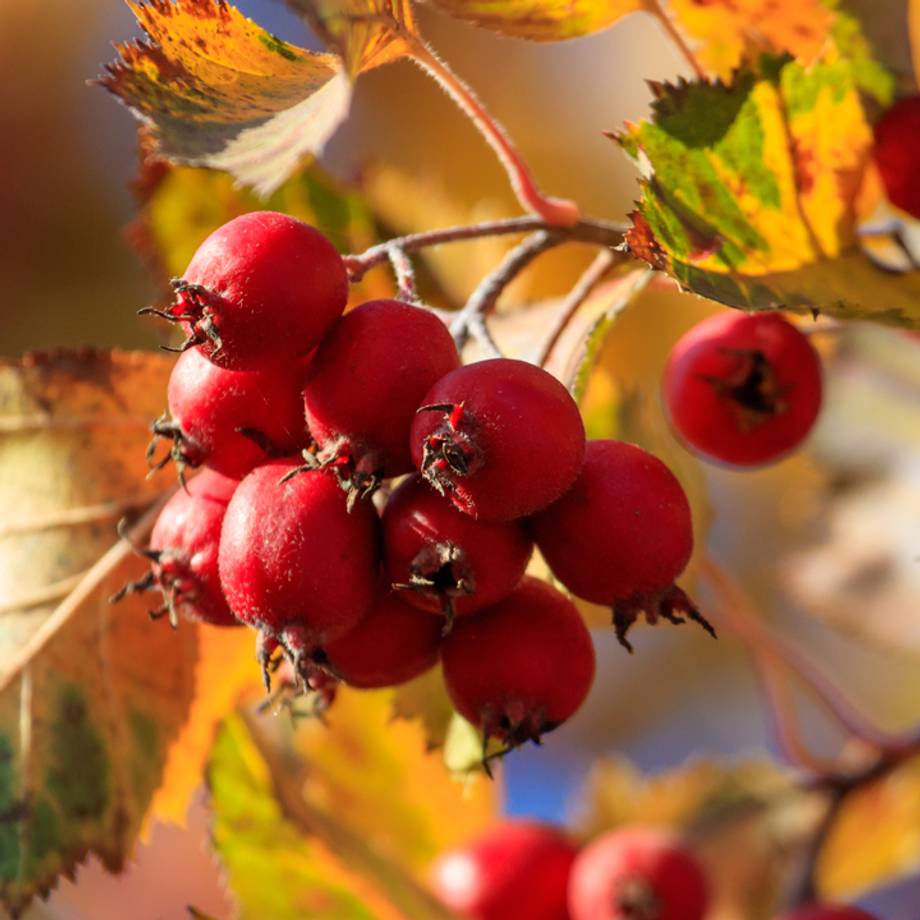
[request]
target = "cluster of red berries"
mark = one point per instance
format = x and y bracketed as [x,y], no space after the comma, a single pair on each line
[523,870]
[302,413]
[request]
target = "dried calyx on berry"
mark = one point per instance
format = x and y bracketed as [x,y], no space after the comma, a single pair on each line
[519,668]
[183,554]
[444,561]
[743,389]
[365,383]
[295,564]
[500,438]
[262,287]
[230,421]
[621,536]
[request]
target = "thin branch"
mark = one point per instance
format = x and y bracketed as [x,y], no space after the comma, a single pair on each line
[591,277]
[601,233]
[559,212]
[654,7]
[53,592]
[471,319]
[404,272]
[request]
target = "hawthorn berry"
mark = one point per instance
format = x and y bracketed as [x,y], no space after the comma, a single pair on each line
[366,380]
[263,287]
[295,564]
[521,667]
[519,870]
[743,389]
[446,561]
[637,873]
[228,420]
[897,153]
[826,912]
[501,438]
[621,535]
[392,644]
[183,553]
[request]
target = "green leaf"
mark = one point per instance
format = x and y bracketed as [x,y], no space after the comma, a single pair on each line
[91,695]
[288,858]
[751,193]
[215,89]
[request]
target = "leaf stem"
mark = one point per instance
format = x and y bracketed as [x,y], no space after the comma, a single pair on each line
[558,212]
[601,233]
[655,8]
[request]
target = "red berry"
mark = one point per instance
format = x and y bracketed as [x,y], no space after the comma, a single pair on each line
[635,873]
[294,563]
[521,667]
[743,389]
[897,153]
[392,644]
[621,535]
[449,562]
[263,287]
[519,870]
[232,421]
[366,381]
[183,553]
[501,438]
[826,912]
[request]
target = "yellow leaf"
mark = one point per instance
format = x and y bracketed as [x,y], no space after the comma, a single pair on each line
[730,32]
[91,695]
[217,90]
[365,33]
[875,838]
[541,20]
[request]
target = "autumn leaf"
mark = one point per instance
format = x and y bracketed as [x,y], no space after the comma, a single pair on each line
[541,20]
[750,194]
[365,33]
[91,695]
[215,89]
[287,854]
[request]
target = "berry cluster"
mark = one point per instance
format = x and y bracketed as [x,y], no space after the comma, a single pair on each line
[523,870]
[304,415]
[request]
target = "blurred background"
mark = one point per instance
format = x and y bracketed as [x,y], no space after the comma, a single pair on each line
[68,277]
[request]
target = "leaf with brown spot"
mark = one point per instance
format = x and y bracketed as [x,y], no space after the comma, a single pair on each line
[215,89]
[91,695]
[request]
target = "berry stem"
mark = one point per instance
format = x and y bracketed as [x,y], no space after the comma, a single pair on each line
[738,615]
[600,233]
[592,276]
[470,321]
[405,274]
[654,7]
[558,212]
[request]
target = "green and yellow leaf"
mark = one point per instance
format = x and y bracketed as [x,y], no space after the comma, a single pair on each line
[752,192]
[288,854]
[215,89]
[92,696]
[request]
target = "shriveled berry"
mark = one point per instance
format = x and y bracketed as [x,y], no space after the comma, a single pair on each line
[827,912]
[232,421]
[518,870]
[445,561]
[263,287]
[501,438]
[637,873]
[621,535]
[520,668]
[294,563]
[367,378]
[743,389]
[392,644]
[183,553]
[897,153]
